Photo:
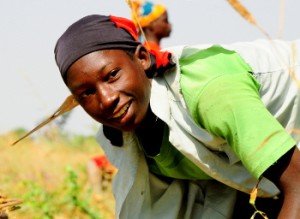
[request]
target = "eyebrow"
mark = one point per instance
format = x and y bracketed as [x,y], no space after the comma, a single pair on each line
[79,85]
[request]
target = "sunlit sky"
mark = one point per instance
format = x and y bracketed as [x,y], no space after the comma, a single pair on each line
[31,87]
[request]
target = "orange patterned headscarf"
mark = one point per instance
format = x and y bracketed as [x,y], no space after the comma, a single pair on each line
[145,12]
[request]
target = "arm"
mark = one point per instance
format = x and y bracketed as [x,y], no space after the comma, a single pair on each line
[286,175]
[229,106]
[238,115]
[255,135]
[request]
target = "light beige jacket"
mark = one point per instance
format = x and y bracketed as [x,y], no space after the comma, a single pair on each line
[141,195]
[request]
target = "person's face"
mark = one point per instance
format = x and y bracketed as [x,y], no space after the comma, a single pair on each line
[112,87]
[161,26]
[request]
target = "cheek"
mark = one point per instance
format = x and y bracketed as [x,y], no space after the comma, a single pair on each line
[143,89]
[137,82]
[167,29]
[145,96]
[90,106]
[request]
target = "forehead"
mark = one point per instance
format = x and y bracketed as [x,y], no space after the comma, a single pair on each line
[106,53]
[100,57]
[97,61]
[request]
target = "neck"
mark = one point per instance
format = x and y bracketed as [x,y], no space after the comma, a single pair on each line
[152,37]
[150,134]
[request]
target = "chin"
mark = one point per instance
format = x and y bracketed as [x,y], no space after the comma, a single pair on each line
[129,128]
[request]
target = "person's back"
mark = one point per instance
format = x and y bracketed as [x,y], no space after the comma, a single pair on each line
[153,21]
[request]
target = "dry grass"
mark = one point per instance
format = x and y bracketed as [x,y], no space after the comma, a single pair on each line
[69,104]
[245,13]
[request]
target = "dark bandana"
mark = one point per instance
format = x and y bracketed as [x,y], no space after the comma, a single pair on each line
[89,34]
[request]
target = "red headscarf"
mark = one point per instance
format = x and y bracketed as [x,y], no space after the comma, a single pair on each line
[162,58]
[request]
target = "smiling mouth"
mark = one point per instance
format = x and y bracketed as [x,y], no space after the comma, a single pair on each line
[121,111]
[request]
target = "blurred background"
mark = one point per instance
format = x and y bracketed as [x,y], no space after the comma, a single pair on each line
[30,86]
[49,172]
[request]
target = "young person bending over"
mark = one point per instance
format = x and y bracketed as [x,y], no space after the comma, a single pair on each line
[191,129]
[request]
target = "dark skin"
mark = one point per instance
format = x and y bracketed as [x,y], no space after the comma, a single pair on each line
[158,29]
[107,84]
[112,88]
[288,182]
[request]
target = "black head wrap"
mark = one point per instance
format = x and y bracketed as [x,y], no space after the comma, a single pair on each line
[89,34]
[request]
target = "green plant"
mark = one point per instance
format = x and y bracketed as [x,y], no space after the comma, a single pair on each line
[39,200]
[74,198]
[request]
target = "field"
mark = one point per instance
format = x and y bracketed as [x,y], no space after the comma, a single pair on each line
[48,175]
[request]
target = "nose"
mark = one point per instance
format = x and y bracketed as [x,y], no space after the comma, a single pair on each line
[107,97]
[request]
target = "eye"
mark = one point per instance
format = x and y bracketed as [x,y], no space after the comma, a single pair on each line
[113,75]
[86,93]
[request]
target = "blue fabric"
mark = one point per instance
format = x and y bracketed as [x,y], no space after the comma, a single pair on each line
[147,8]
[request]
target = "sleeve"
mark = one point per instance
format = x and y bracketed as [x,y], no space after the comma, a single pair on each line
[230,107]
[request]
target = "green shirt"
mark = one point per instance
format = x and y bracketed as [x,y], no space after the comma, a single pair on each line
[223,97]
[171,163]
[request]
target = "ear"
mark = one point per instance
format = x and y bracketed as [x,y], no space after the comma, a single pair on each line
[143,56]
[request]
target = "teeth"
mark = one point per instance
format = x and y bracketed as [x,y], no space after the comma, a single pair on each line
[123,110]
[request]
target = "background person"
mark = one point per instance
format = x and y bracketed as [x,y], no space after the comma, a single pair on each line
[153,19]
[100,173]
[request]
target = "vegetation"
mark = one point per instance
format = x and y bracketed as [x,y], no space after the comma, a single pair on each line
[47,173]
